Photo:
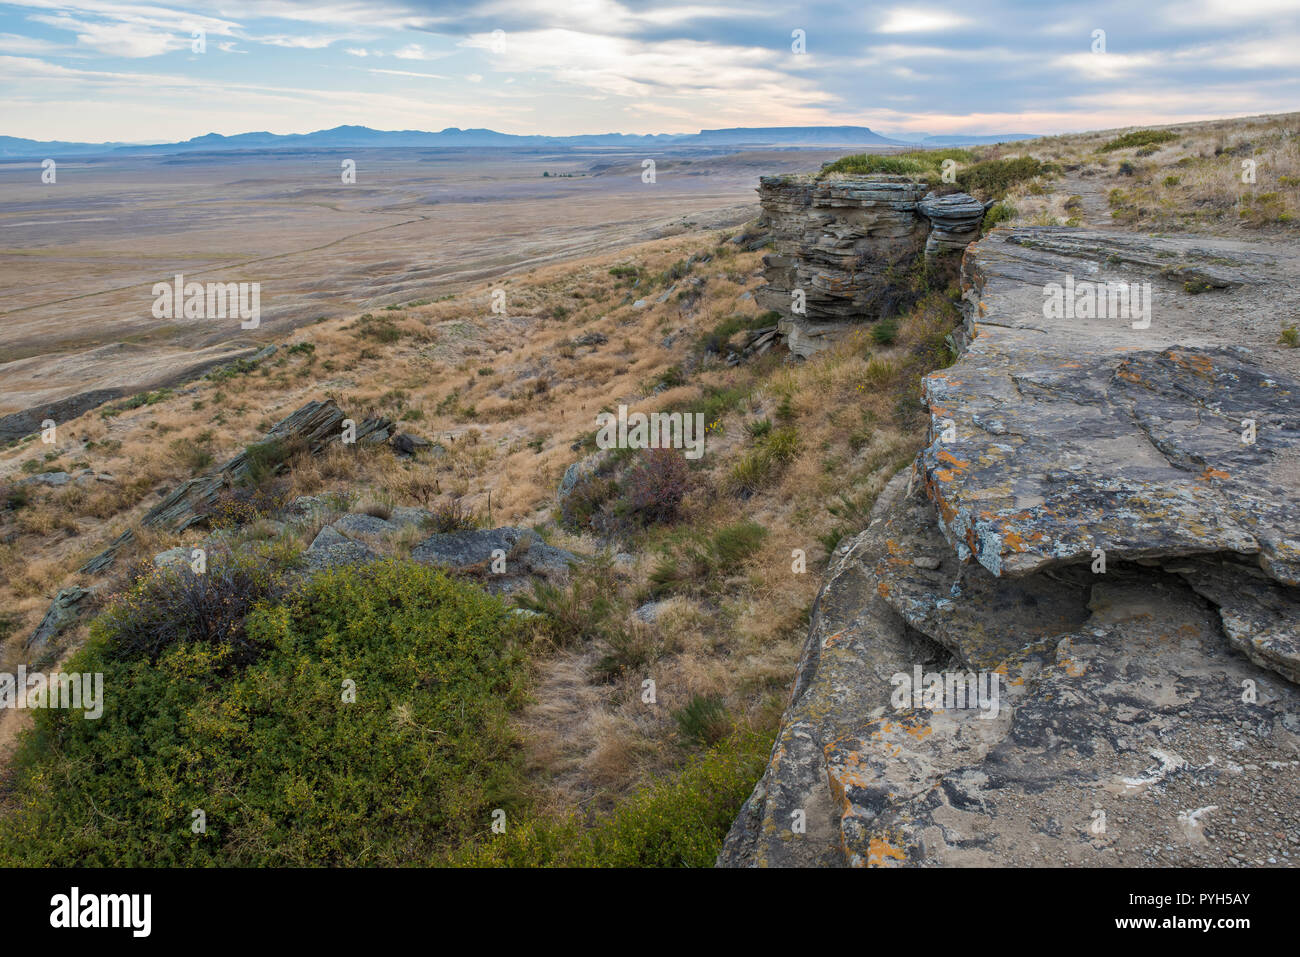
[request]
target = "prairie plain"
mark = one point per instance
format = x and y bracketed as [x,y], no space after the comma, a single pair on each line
[79,257]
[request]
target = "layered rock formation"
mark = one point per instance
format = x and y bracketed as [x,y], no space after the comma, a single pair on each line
[844,244]
[1104,523]
[312,428]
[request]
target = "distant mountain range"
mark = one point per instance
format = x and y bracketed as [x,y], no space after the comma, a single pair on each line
[362,137]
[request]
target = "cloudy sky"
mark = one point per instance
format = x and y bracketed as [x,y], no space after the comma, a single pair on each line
[97,70]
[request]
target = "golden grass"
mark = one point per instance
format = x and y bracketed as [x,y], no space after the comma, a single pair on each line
[508,436]
[1194,183]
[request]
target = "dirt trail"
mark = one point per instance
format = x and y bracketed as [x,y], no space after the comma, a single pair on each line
[1094,211]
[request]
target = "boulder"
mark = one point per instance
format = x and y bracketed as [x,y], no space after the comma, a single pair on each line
[51,479]
[505,559]
[68,607]
[360,525]
[837,240]
[405,444]
[1054,437]
[330,549]
[313,427]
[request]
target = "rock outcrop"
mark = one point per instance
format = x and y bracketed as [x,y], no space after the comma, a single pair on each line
[505,560]
[845,242]
[312,428]
[69,606]
[1069,632]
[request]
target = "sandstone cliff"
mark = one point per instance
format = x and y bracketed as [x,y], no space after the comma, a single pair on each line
[1105,521]
[840,247]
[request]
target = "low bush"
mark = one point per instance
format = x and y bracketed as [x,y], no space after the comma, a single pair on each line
[653,487]
[703,721]
[678,822]
[912,163]
[371,730]
[764,462]
[885,331]
[1138,138]
[699,561]
[992,179]
[998,213]
[581,610]
[178,606]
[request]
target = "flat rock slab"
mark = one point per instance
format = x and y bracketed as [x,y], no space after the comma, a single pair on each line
[505,559]
[361,525]
[1054,436]
[1135,735]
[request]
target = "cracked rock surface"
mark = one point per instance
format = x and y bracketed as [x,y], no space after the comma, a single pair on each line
[1146,710]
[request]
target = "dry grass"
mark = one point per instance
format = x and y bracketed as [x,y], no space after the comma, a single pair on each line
[509,397]
[1193,182]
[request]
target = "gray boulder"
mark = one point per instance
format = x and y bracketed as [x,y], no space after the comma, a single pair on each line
[358,524]
[480,552]
[68,606]
[52,479]
[330,549]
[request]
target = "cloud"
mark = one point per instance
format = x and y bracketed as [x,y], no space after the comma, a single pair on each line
[427,76]
[592,65]
[920,21]
[302,43]
[117,39]
[16,43]
[414,51]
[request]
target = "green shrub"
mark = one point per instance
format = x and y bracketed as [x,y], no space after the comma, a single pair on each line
[678,822]
[992,179]
[864,164]
[699,561]
[263,460]
[716,339]
[885,331]
[1138,138]
[626,651]
[764,462]
[230,370]
[381,329]
[1290,337]
[912,163]
[998,213]
[286,771]
[703,721]
[581,611]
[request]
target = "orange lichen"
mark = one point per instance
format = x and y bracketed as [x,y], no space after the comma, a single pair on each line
[880,853]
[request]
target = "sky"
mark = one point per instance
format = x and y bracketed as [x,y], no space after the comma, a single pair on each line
[128,70]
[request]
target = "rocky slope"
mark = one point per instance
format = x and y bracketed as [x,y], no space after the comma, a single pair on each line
[1103,528]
